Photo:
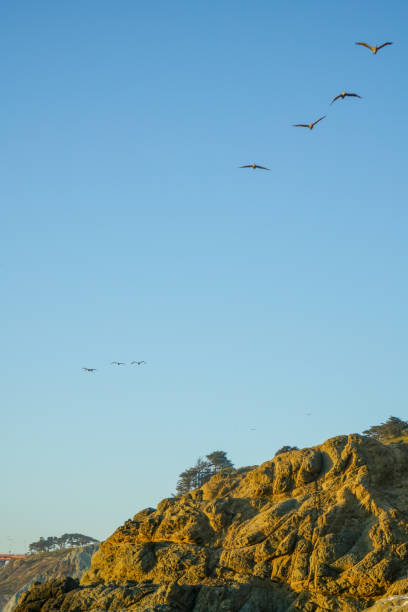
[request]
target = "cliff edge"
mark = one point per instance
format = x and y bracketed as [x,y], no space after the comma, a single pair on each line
[323,528]
[18,576]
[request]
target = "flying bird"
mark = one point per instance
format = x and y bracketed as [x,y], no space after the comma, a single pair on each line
[118,363]
[253,166]
[137,363]
[343,95]
[374,49]
[309,125]
[89,369]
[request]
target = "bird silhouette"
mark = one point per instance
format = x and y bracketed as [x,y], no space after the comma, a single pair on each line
[89,369]
[137,363]
[375,48]
[343,95]
[253,166]
[309,125]
[118,363]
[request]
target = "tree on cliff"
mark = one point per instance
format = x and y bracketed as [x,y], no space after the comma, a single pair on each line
[392,428]
[70,540]
[219,461]
[196,476]
[286,449]
[67,540]
[43,545]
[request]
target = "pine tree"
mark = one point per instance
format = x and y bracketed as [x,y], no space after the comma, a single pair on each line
[68,540]
[219,460]
[203,472]
[196,476]
[186,481]
[286,449]
[392,428]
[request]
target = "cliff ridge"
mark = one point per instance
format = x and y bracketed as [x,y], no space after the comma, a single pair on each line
[322,528]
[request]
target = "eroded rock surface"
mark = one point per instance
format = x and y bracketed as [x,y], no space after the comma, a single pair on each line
[19,575]
[322,528]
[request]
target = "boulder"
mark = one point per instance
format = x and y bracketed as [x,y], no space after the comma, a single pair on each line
[323,528]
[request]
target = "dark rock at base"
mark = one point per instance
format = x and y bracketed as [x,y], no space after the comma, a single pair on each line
[41,595]
[312,530]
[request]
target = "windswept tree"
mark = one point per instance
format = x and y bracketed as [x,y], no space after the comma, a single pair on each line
[203,472]
[70,540]
[196,476]
[67,540]
[38,547]
[44,545]
[219,461]
[186,481]
[286,449]
[392,428]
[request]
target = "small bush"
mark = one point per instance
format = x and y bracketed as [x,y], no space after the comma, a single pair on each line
[286,449]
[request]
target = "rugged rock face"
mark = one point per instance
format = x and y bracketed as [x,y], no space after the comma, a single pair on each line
[395,603]
[19,575]
[323,528]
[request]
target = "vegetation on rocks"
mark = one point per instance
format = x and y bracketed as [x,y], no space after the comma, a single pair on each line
[391,429]
[321,528]
[67,540]
[20,574]
[285,449]
[201,472]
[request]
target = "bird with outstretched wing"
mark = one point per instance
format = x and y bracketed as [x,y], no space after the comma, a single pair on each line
[309,125]
[344,94]
[93,370]
[117,363]
[375,48]
[137,363]
[253,165]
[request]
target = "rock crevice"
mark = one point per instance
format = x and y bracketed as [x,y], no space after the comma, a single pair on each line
[321,528]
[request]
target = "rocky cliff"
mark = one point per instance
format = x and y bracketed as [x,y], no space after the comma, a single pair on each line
[323,528]
[18,576]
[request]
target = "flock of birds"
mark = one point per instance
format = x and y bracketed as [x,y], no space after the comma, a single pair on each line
[310,126]
[116,363]
[342,95]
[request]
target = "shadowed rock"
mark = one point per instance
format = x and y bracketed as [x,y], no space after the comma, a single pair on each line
[322,528]
[19,575]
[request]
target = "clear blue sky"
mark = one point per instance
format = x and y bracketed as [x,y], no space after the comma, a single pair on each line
[127,232]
